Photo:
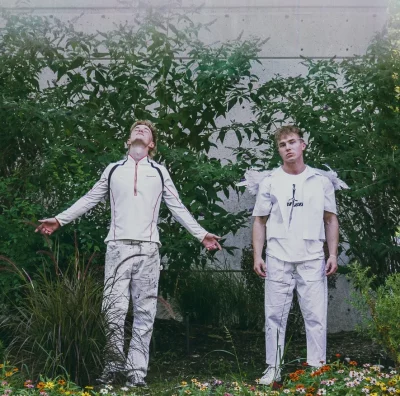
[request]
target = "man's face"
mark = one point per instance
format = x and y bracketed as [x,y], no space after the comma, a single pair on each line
[291,147]
[141,133]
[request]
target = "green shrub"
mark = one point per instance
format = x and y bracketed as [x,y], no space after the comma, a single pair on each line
[58,325]
[219,297]
[380,309]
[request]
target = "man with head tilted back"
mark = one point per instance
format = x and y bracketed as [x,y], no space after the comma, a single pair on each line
[135,186]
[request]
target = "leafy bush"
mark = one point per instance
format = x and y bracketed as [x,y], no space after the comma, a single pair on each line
[380,309]
[58,137]
[351,111]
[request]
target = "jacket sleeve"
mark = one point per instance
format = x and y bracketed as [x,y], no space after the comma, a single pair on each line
[263,204]
[178,209]
[88,201]
[329,193]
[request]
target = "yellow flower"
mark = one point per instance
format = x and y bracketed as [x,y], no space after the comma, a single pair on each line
[183,383]
[194,380]
[85,394]
[89,387]
[15,369]
[67,393]
[374,394]
[187,392]
[49,385]
[392,382]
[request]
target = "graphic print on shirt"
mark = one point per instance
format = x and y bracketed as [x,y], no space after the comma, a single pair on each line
[293,203]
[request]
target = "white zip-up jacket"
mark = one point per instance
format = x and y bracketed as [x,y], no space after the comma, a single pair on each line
[136,190]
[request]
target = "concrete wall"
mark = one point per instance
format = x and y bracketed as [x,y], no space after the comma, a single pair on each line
[312,28]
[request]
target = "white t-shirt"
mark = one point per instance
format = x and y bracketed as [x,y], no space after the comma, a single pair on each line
[294,248]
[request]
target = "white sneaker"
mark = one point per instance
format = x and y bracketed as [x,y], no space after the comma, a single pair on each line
[271,374]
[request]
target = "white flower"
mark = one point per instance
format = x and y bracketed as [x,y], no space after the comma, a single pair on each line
[286,391]
[124,389]
[391,390]
[321,392]
[103,391]
[365,390]
[109,387]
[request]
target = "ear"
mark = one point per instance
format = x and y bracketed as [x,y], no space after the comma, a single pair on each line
[128,142]
[151,145]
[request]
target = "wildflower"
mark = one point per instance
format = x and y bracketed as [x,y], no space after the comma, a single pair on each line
[219,382]
[43,393]
[15,370]
[353,363]
[124,389]
[184,383]
[365,390]
[321,392]
[90,387]
[237,388]
[194,380]
[109,387]
[338,355]
[1,366]
[286,391]
[49,385]
[40,385]
[340,371]
[103,391]
[9,373]
[187,392]
[62,382]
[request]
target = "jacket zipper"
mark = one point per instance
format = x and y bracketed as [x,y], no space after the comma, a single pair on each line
[135,185]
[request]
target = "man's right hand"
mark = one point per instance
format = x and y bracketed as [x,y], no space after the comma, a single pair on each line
[48,226]
[260,268]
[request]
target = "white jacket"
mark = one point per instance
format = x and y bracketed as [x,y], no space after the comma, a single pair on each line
[135,193]
[318,194]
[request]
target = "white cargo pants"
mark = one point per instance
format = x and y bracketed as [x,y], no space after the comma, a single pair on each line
[132,271]
[309,279]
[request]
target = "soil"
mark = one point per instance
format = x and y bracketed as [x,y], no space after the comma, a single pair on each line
[216,353]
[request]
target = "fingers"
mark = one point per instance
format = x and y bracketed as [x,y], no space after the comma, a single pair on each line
[331,267]
[260,269]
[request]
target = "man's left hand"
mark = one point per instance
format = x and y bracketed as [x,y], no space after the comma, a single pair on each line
[331,266]
[210,242]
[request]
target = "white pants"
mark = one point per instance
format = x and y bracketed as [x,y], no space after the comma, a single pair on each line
[132,271]
[310,281]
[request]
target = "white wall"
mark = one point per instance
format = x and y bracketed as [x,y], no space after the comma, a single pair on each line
[312,28]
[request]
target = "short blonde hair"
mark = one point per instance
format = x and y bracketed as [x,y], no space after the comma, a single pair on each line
[287,130]
[153,130]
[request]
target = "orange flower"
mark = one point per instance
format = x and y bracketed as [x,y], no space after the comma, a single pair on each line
[325,368]
[61,382]
[40,385]
[309,394]
[338,355]
[310,389]
[353,363]
[316,373]
[300,386]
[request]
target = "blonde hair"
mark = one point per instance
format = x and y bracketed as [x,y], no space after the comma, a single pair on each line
[153,133]
[287,130]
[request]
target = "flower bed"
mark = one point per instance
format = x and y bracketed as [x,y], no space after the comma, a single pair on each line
[338,378]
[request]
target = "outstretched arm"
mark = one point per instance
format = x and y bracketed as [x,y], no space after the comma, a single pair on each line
[183,216]
[83,205]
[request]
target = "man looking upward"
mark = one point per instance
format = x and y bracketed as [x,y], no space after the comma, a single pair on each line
[135,186]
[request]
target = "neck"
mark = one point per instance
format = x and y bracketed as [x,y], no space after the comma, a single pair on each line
[138,152]
[294,168]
